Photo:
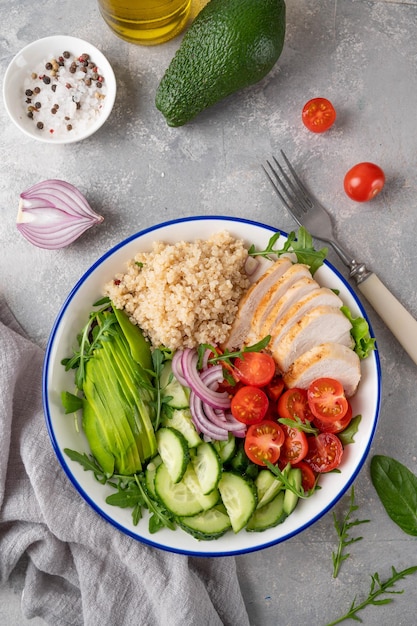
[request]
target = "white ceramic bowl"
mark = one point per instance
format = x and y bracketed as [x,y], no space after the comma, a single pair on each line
[29,60]
[73,317]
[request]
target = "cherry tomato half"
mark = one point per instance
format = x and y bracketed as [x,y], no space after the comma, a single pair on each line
[364,181]
[338,425]
[255,368]
[263,442]
[295,445]
[318,115]
[293,403]
[327,400]
[275,388]
[308,475]
[324,452]
[249,405]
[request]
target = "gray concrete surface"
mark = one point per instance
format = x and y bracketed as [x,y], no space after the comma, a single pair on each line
[136,171]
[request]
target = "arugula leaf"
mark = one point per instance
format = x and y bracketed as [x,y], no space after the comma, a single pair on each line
[287,484]
[159,516]
[364,343]
[305,251]
[376,590]
[298,424]
[89,464]
[226,356]
[71,402]
[342,530]
[131,492]
[158,358]
[396,487]
[301,244]
[97,329]
[347,435]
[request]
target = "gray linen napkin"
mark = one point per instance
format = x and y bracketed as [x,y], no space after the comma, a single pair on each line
[79,569]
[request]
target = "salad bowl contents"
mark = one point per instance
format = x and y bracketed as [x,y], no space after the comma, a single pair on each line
[185,431]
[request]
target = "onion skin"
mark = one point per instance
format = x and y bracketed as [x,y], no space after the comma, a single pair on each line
[53,214]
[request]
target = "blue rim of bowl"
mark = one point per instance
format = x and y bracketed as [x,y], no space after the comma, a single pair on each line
[84,494]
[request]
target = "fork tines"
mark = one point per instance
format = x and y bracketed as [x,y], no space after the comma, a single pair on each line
[292,192]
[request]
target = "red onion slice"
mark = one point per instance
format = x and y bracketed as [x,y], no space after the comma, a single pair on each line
[201,422]
[177,368]
[219,420]
[218,400]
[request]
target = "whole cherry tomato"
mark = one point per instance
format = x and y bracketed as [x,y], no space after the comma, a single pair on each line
[364,181]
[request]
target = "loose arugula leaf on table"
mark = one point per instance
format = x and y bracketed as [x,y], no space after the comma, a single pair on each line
[396,487]
[377,589]
[301,244]
[342,530]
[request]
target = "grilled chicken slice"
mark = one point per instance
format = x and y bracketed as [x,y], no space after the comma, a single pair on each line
[272,296]
[331,360]
[297,291]
[319,297]
[250,301]
[320,324]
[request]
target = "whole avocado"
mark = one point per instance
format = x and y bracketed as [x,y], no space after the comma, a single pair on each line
[231,44]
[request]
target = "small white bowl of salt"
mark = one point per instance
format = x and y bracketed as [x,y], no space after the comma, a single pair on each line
[59,89]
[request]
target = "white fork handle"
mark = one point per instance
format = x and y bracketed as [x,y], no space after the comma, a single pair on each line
[402,325]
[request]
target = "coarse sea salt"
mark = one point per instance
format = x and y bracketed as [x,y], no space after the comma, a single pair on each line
[65,94]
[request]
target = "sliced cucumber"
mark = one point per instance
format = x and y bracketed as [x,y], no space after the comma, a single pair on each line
[150,474]
[268,486]
[170,387]
[173,449]
[190,479]
[239,497]
[207,466]
[269,515]
[226,449]
[290,499]
[176,497]
[181,420]
[239,461]
[210,524]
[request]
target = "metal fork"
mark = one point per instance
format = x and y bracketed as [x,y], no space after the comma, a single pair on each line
[307,211]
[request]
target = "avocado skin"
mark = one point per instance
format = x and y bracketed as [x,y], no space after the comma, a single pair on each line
[230,45]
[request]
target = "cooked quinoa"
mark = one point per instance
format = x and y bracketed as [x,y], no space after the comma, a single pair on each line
[184,294]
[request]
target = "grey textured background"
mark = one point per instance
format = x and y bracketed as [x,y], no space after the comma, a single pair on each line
[136,171]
